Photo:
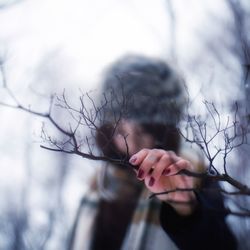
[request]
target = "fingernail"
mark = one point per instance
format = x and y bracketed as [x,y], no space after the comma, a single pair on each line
[166,171]
[133,159]
[140,173]
[151,181]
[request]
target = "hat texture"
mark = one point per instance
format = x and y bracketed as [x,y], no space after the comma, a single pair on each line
[143,89]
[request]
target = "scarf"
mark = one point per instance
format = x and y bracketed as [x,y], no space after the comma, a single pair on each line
[144,231]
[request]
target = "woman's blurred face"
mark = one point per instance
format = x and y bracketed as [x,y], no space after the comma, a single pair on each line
[130,138]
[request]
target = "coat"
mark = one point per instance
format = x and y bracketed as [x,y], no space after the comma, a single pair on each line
[152,224]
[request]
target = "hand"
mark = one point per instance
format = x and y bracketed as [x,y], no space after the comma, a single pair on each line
[158,169]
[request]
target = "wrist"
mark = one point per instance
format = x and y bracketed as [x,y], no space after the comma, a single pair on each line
[184,207]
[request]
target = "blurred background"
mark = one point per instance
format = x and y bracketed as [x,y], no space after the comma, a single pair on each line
[50,46]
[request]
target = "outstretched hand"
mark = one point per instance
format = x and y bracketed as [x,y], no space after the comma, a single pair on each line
[159,171]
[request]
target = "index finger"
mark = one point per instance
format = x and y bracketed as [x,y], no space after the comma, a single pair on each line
[138,158]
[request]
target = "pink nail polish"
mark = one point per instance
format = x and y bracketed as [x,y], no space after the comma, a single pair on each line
[151,181]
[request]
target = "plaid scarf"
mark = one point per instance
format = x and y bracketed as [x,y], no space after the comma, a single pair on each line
[144,231]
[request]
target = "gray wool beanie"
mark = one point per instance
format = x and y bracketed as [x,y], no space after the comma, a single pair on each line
[144,90]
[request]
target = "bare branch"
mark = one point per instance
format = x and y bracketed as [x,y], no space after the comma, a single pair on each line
[91,116]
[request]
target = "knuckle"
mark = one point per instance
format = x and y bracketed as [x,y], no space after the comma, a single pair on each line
[151,158]
[165,158]
[161,151]
[154,151]
[145,151]
[172,153]
[184,162]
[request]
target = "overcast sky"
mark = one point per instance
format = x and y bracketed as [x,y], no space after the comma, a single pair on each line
[79,37]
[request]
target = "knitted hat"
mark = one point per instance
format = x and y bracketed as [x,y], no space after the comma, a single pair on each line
[143,89]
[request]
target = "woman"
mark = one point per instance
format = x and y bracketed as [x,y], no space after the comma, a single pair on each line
[139,124]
